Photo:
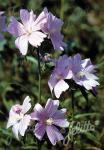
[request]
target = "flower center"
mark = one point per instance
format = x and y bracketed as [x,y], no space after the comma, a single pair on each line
[17,109]
[17,117]
[29,31]
[80,74]
[20,117]
[49,121]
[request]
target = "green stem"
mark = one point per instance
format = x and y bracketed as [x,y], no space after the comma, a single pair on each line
[39,76]
[72,95]
[39,145]
[62,10]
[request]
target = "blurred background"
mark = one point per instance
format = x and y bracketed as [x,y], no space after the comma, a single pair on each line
[83,31]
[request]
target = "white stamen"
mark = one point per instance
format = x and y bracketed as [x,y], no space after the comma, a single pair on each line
[80,74]
[49,121]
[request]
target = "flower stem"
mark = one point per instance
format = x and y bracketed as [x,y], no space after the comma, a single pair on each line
[62,10]
[39,76]
[39,145]
[72,95]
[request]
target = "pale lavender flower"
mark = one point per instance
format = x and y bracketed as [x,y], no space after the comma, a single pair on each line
[48,118]
[60,73]
[28,30]
[52,28]
[18,118]
[83,72]
[2,25]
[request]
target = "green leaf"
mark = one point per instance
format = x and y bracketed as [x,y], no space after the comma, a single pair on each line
[29,147]
[2,44]
[93,138]
[86,115]
[32,59]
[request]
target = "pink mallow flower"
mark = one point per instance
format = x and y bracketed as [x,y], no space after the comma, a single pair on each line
[52,28]
[27,31]
[18,118]
[2,25]
[60,73]
[84,72]
[81,71]
[48,118]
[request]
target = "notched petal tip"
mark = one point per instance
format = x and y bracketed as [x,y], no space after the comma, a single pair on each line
[26,104]
[38,107]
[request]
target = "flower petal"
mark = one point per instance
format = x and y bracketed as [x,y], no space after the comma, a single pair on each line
[51,106]
[93,83]
[32,18]
[38,113]
[54,23]
[2,23]
[39,130]
[86,62]
[13,118]
[24,123]
[57,42]
[24,15]
[26,104]
[1,12]
[15,27]
[59,114]
[77,59]
[15,130]
[53,134]
[41,20]
[22,44]
[38,108]
[88,84]
[36,38]
[91,76]
[69,75]
[52,81]
[61,122]
[60,87]
[11,121]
